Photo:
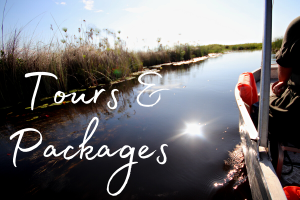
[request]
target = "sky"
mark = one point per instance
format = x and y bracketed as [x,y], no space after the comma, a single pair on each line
[141,22]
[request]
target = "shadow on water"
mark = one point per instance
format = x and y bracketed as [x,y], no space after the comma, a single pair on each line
[197,118]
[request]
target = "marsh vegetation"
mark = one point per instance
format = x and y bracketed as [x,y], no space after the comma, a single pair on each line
[84,60]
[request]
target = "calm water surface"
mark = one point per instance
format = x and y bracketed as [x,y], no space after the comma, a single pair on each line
[197,118]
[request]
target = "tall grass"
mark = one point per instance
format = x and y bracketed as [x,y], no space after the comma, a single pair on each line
[182,52]
[83,60]
[247,46]
[77,62]
[177,53]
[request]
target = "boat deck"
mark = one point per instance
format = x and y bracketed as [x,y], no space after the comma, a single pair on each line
[294,177]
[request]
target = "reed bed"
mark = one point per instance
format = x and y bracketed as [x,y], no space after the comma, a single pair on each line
[77,64]
[81,62]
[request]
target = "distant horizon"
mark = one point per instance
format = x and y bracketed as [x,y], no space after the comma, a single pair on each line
[140,22]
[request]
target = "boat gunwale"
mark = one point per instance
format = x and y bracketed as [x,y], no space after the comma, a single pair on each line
[262,173]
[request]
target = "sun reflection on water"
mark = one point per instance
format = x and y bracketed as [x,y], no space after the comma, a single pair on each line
[235,164]
[193,129]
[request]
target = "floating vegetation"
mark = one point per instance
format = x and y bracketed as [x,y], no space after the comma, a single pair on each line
[42,106]
[72,91]
[155,67]
[43,99]
[33,118]
[55,104]
[129,78]
[10,113]
[117,81]
[137,73]
[93,86]
[27,108]
[82,90]
[154,70]
[101,84]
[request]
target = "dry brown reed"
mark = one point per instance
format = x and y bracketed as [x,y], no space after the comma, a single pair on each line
[80,63]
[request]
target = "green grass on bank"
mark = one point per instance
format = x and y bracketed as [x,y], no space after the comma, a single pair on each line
[80,62]
[276,44]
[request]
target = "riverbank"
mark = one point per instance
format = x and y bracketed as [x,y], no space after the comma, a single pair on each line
[156,68]
[81,66]
[40,103]
[186,62]
[84,65]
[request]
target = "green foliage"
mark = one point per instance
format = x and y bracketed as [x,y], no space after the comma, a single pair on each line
[182,52]
[247,46]
[276,44]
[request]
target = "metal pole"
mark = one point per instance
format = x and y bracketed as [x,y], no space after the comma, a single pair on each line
[265,77]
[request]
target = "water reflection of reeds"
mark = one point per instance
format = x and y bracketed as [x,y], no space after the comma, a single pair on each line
[66,125]
[181,177]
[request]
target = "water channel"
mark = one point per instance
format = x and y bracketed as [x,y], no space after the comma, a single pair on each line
[196,117]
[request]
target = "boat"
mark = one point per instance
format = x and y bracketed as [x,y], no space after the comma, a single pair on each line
[263,180]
